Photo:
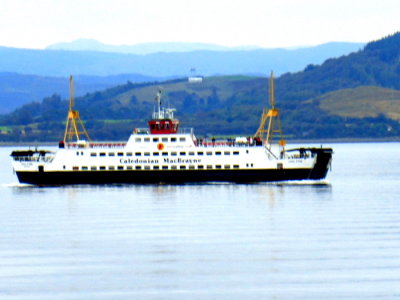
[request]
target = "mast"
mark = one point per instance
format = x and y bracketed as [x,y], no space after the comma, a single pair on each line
[271,117]
[74,126]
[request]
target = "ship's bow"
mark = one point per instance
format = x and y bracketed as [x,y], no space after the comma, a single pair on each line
[322,164]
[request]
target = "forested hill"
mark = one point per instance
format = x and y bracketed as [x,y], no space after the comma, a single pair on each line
[320,102]
[378,64]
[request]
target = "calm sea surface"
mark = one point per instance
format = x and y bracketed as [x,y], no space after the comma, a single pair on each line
[335,240]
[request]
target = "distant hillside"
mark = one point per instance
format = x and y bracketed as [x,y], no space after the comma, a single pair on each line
[221,105]
[354,96]
[146,48]
[17,90]
[260,61]
[362,102]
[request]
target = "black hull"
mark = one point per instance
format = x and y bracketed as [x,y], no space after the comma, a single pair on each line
[168,176]
[44,178]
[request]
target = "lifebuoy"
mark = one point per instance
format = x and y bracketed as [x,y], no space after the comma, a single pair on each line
[160,146]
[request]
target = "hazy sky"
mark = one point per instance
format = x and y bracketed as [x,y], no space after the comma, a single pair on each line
[279,23]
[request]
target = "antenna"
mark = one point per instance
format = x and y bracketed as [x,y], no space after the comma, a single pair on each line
[74,126]
[272,117]
[158,103]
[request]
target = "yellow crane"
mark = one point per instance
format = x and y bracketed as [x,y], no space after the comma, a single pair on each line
[74,126]
[271,117]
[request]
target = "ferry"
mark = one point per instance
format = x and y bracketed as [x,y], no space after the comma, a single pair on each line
[166,153]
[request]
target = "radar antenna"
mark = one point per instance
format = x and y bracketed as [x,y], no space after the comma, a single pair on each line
[271,117]
[74,126]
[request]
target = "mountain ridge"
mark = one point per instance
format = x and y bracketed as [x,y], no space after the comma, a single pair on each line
[142,48]
[207,63]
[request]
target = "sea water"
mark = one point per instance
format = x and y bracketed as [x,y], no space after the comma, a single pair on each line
[334,239]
